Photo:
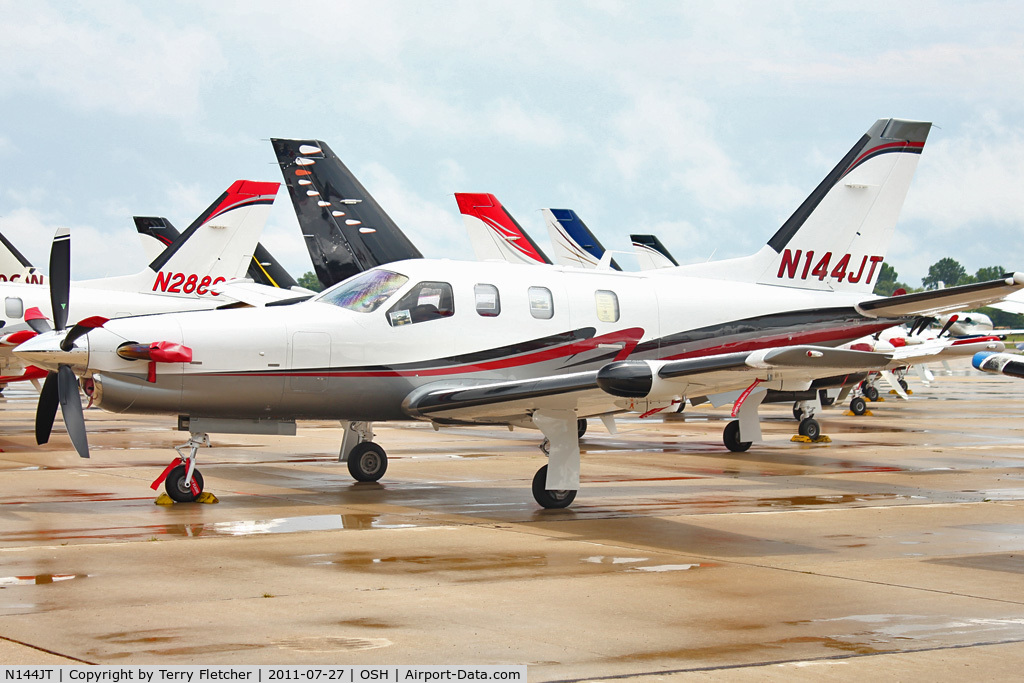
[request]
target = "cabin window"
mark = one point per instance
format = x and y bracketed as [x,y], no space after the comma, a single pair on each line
[607,306]
[541,304]
[13,307]
[425,301]
[488,303]
[364,292]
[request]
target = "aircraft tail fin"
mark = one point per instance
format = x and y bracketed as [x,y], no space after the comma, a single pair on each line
[574,243]
[837,238]
[158,233]
[494,233]
[345,229]
[14,267]
[216,247]
[651,253]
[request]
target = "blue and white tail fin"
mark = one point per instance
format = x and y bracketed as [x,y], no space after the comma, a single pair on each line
[573,242]
[838,237]
[651,254]
[218,246]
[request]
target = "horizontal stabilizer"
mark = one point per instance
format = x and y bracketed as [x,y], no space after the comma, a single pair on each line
[939,301]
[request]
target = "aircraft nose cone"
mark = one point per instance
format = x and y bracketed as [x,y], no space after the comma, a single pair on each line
[44,351]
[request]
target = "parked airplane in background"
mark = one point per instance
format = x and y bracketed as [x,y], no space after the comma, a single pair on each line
[1010,364]
[494,234]
[345,229]
[574,243]
[417,340]
[217,247]
[158,233]
[651,253]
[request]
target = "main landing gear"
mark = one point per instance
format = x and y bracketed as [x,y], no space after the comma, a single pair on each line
[366,460]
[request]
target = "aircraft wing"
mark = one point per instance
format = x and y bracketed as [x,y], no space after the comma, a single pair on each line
[627,385]
[246,291]
[942,349]
[939,301]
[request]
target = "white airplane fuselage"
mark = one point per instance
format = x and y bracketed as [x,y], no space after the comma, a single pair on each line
[316,360]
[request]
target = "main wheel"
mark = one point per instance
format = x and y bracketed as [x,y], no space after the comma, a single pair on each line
[904,385]
[581,427]
[871,392]
[798,414]
[731,438]
[546,498]
[858,406]
[178,489]
[367,461]
[810,428]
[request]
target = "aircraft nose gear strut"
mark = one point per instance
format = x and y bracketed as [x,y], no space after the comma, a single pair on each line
[182,481]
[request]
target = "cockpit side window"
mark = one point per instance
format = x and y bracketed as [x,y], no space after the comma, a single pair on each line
[364,292]
[425,301]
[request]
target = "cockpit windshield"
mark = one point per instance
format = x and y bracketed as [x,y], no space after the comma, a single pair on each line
[364,292]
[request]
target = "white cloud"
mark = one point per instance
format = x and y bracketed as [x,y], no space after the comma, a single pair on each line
[111,57]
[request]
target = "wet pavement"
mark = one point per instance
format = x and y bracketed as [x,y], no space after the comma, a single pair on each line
[896,549]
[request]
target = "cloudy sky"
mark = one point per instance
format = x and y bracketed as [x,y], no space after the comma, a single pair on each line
[704,122]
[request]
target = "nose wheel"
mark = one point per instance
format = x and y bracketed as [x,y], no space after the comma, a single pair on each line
[179,488]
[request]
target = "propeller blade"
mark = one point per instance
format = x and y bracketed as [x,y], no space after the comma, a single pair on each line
[46,410]
[81,328]
[949,324]
[60,277]
[71,409]
[35,319]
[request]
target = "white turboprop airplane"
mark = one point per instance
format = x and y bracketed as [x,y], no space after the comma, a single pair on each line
[216,248]
[418,340]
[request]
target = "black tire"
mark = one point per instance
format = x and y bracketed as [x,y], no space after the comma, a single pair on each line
[178,490]
[731,438]
[810,428]
[581,427]
[871,392]
[858,406]
[551,500]
[797,413]
[904,385]
[367,461]
[825,399]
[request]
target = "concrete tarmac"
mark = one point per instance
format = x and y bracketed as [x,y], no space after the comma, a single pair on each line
[897,550]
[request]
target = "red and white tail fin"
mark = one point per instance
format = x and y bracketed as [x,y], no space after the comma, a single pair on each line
[838,237]
[218,246]
[494,233]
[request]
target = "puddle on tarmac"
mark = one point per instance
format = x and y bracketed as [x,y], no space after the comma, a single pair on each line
[38,579]
[836,499]
[252,527]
